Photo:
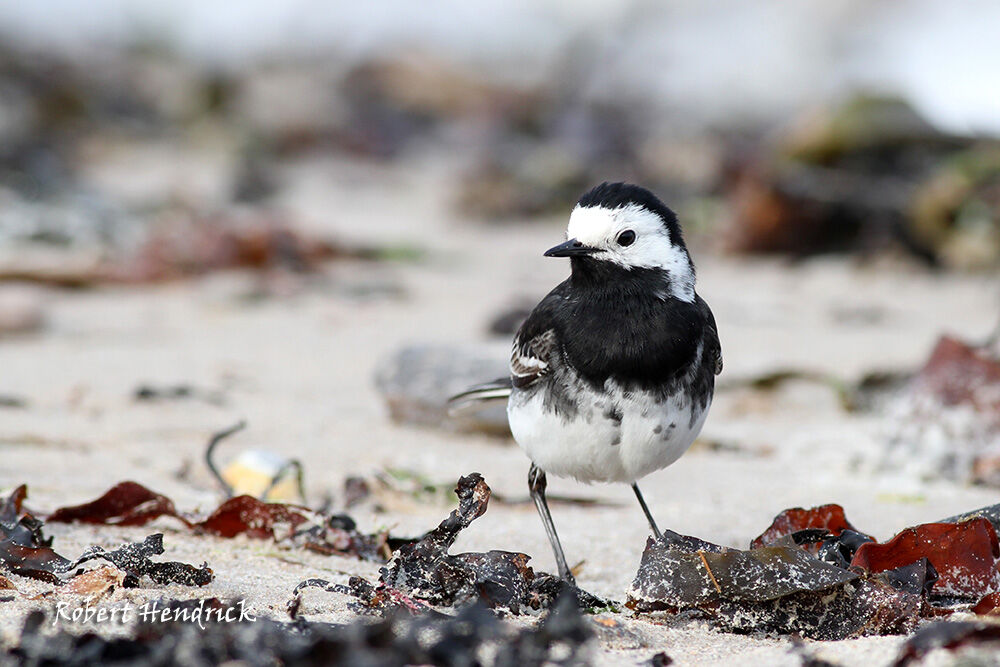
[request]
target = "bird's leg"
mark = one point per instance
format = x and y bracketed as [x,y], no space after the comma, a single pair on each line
[536,487]
[645,510]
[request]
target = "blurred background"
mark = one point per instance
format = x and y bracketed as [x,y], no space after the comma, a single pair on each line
[840,126]
[323,217]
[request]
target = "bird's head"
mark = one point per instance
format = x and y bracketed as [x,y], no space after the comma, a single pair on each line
[622,226]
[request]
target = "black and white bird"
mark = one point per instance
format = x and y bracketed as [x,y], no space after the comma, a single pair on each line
[612,374]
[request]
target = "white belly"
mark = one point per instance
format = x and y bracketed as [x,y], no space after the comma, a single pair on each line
[593,446]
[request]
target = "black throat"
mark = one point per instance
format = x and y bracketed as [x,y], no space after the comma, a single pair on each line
[591,274]
[624,324]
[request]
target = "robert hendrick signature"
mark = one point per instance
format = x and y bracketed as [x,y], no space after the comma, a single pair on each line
[153,611]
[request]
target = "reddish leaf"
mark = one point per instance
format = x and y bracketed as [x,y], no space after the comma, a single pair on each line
[124,504]
[249,516]
[827,517]
[964,555]
[30,561]
[988,605]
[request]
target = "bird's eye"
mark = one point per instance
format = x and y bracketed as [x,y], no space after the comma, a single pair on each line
[626,238]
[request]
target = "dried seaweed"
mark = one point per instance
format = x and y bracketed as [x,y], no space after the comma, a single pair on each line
[191,243]
[21,553]
[146,392]
[371,599]
[132,504]
[965,555]
[23,548]
[11,506]
[829,518]
[680,572]
[777,588]
[125,504]
[812,573]
[502,579]
[245,515]
[948,635]
[991,513]
[474,636]
[988,605]
[133,559]
[25,551]
[338,534]
[422,572]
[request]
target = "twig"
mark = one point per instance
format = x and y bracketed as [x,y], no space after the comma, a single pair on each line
[210,451]
[711,576]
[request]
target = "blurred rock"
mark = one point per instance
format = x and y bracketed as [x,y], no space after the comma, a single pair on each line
[509,320]
[417,381]
[21,311]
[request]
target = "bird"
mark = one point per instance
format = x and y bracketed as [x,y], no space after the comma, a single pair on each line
[612,374]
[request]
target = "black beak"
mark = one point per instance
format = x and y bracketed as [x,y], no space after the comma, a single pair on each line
[571,248]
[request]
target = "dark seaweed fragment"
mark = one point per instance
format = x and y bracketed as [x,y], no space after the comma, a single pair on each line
[991,513]
[948,635]
[133,559]
[839,550]
[917,578]
[829,518]
[24,549]
[37,562]
[779,588]
[502,579]
[422,572]
[474,636]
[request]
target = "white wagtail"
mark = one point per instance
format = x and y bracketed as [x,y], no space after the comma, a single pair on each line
[612,374]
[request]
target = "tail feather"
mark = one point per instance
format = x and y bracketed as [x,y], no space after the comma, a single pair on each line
[488,391]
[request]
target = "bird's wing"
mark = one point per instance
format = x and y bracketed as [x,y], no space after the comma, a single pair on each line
[714,347]
[718,359]
[531,359]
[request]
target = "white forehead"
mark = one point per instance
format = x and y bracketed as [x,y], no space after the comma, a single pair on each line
[596,225]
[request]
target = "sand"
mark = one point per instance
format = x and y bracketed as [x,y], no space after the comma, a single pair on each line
[299,367]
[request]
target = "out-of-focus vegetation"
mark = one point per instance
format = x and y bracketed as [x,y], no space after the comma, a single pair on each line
[864,175]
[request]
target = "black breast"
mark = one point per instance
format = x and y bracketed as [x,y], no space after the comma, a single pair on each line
[620,327]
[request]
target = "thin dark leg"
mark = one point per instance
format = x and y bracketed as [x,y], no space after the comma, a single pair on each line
[645,510]
[536,487]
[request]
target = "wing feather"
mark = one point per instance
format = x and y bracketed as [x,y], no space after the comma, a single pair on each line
[531,360]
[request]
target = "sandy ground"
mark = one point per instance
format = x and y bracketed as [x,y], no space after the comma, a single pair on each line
[299,368]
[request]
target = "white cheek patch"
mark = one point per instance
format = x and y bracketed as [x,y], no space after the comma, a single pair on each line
[653,249]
